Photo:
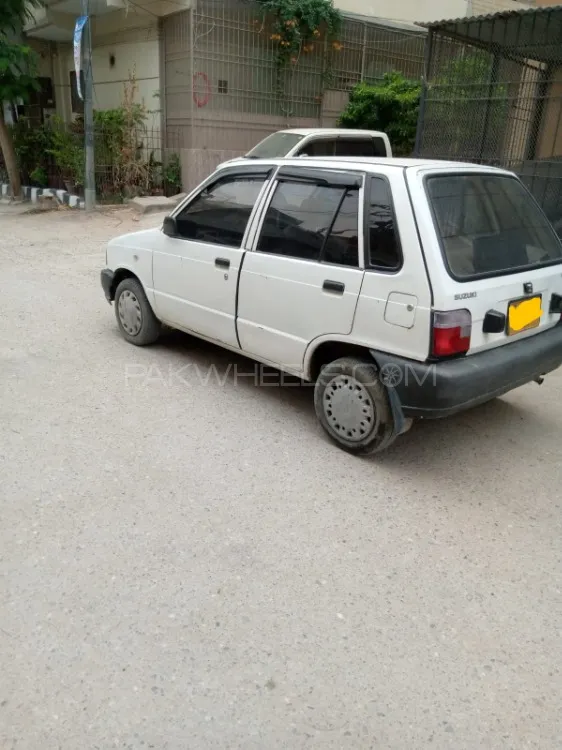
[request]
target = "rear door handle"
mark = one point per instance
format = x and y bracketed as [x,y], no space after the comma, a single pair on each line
[333,286]
[222,263]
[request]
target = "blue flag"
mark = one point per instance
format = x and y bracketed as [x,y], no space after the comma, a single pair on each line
[80,23]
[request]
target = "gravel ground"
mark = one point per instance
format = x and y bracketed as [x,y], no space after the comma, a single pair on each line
[189,566]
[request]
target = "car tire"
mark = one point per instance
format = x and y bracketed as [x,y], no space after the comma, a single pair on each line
[352,406]
[135,317]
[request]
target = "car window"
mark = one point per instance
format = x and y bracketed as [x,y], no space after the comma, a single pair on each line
[379,147]
[275,145]
[355,147]
[342,243]
[298,219]
[321,147]
[384,247]
[220,213]
[489,224]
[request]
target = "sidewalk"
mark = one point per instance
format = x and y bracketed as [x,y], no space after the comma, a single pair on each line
[12,208]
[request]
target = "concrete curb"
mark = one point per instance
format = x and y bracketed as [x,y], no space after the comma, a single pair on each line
[148,204]
[32,194]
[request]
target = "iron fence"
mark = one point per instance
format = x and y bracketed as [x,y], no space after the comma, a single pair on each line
[224,87]
[129,160]
[493,95]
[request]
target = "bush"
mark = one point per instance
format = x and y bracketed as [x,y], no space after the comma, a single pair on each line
[123,165]
[391,106]
[172,175]
[67,148]
[38,177]
[32,145]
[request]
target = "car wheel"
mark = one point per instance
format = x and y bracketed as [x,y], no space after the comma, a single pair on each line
[135,318]
[352,406]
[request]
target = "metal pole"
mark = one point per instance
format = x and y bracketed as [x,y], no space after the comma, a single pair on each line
[491,91]
[192,77]
[89,177]
[363,52]
[423,97]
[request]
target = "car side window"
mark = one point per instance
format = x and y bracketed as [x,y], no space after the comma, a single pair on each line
[342,243]
[379,147]
[384,250]
[220,213]
[321,147]
[299,218]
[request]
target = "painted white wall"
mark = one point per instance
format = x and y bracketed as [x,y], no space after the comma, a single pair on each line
[140,58]
[408,11]
[131,38]
[482,7]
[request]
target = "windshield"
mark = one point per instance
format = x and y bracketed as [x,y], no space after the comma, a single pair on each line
[489,225]
[275,145]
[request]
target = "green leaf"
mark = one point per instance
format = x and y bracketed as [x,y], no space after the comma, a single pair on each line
[390,105]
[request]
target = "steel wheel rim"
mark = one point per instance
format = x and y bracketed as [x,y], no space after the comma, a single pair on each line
[349,408]
[130,312]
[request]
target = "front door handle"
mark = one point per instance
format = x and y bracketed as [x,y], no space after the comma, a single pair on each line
[222,263]
[333,286]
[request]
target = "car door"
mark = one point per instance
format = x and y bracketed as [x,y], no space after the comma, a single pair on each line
[196,272]
[303,277]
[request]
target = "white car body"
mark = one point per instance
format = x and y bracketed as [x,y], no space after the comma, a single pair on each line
[283,311]
[310,137]
[321,143]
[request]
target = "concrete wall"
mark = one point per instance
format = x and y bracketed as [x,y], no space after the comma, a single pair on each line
[550,143]
[482,7]
[122,43]
[407,10]
[411,11]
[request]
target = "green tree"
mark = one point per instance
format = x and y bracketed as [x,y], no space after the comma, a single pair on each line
[18,74]
[390,105]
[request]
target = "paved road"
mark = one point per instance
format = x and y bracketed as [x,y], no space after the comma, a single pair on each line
[189,566]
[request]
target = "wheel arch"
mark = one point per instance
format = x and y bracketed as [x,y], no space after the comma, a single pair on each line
[326,350]
[119,275]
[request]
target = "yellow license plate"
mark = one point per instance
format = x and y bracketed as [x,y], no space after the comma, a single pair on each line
[524,314]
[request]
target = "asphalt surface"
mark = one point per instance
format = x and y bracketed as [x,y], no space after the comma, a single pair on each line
[188,564]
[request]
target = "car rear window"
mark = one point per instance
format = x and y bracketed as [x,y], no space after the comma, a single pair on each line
[360,147]
[275,145]
[489,225]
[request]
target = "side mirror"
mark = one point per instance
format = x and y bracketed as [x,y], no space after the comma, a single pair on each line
[169,227]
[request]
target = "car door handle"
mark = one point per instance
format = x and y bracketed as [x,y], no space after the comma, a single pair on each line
[222,263]
[333,286]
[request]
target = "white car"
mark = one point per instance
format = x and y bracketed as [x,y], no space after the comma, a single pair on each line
[325,142]
[403,288]
[320,142]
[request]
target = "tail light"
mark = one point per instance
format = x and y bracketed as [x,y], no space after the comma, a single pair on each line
[451,333]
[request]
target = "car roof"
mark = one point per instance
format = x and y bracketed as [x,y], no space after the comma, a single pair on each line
[367,163]
[330,131]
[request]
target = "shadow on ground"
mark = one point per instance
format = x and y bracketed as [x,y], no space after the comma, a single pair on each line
[429,443]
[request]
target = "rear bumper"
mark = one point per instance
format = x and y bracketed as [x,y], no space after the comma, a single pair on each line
[434,390]
[106,278]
